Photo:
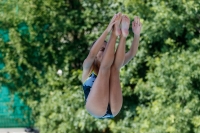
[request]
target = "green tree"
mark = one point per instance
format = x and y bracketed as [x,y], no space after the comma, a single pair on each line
[170,97]
[49,40]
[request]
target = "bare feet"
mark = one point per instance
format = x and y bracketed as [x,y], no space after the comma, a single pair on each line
[117,29]
[125,25]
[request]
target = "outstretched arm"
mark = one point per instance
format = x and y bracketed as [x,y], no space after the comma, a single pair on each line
[97,45]
[136,27]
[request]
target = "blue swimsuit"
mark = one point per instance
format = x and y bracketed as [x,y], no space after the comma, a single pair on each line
[87,85]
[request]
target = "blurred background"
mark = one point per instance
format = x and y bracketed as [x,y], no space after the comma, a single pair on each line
[43,44]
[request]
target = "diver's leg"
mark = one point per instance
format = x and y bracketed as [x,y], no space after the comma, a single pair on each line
[115,98]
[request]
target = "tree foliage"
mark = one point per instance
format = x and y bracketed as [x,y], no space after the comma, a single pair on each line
[48,41]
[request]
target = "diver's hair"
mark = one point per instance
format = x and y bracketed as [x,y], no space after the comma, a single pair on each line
[94,43]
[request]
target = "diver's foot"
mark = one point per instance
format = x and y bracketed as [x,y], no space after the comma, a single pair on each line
[125,25]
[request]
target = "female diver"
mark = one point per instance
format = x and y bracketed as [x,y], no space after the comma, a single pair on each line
[100,78]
